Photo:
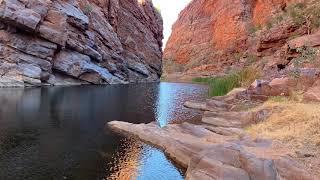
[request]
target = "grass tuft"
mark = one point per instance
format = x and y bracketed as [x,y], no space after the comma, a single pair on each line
[87,9]
[220,86]
[278,99]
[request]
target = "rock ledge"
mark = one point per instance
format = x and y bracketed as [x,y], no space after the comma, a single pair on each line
[219,148]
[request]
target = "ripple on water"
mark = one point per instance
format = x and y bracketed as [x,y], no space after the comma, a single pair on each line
[136,160]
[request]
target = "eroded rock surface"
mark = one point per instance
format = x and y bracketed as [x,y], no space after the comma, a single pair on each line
[48,42]
[208,32]
[214,38]
[218,148]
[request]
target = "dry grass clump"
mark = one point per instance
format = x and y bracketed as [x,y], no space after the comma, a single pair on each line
[297,125]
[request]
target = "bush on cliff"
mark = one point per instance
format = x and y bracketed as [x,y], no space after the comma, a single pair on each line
[253,29]
[87,9]
[220,86]
[302,14]
[307,55]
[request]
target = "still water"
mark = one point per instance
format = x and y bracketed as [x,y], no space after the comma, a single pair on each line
[59,132]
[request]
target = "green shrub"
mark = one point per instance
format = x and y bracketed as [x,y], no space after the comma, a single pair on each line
[275,20]
[279,18]
[248,75]
[87,9]
[314,13]
[252,58]
[307,55]
[253,29]
[237,56]
[219,86]
[296,13]
[278,99]
[301,15]
[269,24]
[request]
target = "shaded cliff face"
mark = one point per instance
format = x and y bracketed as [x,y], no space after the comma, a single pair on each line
[209,31]
[64,42]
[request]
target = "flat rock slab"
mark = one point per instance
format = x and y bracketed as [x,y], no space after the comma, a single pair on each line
[210,105]
[226,131]
[180,141]
[230,119]
[208,155]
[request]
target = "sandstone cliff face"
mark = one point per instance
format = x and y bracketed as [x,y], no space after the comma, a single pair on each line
[63,42]
[209,31]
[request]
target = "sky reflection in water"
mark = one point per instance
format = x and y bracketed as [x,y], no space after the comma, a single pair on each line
[59,133]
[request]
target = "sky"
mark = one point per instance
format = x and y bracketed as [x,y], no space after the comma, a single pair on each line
[170,10]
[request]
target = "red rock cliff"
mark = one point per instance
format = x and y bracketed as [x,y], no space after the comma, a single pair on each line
[79,41]
[209,30]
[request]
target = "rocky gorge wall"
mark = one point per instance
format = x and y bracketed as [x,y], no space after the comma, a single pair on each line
[209,33]
[65,42]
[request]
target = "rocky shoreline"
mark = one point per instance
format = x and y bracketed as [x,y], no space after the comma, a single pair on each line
[219,147]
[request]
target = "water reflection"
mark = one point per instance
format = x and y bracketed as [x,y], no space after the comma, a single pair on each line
[142,162]
[171,98]
[59,133]
[163,109]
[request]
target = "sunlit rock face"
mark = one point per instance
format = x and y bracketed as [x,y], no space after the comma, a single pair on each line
[207,31]
[64,42]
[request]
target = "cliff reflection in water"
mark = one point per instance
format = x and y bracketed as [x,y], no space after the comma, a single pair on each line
[59,133]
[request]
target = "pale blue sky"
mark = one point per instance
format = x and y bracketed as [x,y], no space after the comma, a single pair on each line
[170,10]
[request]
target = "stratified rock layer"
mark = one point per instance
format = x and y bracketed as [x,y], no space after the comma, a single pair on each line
[209,31]
[65,42]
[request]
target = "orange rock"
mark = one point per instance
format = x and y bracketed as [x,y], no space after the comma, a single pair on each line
[208,30]
[263,9]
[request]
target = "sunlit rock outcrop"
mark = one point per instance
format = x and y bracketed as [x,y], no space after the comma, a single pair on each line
[210,33]
[44,42]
